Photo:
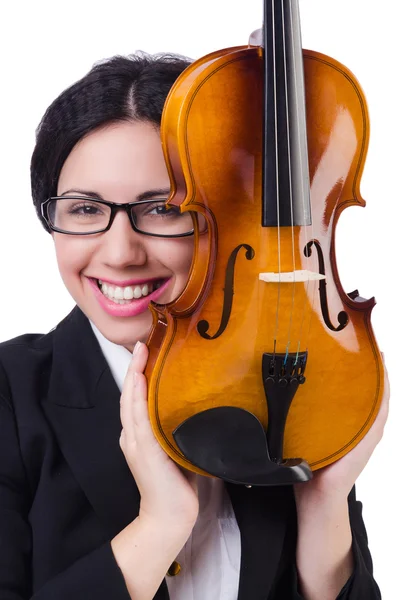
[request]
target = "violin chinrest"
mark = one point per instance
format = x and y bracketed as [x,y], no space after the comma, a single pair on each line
[230,443]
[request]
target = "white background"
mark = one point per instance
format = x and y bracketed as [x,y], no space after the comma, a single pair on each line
[45,46]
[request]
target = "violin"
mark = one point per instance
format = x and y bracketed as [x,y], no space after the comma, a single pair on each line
[264,369]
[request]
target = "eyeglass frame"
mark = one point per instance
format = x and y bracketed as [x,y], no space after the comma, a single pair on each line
[115,207]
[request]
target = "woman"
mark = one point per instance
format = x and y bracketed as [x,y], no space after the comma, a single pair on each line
[91,507]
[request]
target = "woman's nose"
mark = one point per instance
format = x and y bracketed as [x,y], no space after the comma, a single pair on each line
[121,245]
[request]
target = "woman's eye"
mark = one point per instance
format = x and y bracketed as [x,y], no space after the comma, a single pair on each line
[162,211]
[85,209]
[158,210]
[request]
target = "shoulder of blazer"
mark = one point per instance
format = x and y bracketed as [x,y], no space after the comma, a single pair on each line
[28,351]
[35,340]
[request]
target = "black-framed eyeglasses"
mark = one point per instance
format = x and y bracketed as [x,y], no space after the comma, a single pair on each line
[81,215]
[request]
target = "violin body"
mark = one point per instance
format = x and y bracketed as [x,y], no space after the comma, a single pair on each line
[207,346]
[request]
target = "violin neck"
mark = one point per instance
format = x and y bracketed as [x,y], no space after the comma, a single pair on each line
[286,188]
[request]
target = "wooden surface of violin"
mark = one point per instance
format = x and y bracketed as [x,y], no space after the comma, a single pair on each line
[258,290]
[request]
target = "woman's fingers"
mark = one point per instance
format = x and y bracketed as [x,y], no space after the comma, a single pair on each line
[165,493]
[133,401]
[375,433]
[139,357]
[137,430]
[384,408]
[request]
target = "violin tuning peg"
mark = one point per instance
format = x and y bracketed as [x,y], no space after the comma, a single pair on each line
[256,38]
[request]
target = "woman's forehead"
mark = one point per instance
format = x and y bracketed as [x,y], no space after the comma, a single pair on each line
[123,160]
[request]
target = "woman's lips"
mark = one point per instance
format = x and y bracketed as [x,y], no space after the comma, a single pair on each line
[133,308]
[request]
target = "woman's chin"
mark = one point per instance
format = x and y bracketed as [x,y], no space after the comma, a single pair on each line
[127,332]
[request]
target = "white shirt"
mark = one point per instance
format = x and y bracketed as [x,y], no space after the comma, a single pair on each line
[210,559]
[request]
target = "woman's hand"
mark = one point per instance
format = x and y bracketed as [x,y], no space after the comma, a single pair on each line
[324,554]
[167,496]
[145,549]
[336,480]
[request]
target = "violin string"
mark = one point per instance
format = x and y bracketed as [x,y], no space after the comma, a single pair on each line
[290,177]
[302,153]
[277,174]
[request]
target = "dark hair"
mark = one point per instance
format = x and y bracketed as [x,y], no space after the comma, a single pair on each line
[116,89]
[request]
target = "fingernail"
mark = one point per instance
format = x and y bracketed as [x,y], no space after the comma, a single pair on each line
[136,348]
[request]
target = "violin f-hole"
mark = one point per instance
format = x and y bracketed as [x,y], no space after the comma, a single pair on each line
[228,292]
[343,318]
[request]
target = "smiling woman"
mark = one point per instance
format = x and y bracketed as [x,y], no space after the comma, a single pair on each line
[122,162]
[90,506]
[98,180]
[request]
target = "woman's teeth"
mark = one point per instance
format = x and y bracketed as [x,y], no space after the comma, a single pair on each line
[125,295]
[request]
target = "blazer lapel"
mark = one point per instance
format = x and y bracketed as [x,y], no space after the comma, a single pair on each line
[261,514]
[83,405]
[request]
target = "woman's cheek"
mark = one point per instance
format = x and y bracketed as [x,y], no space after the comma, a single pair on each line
[73,257]
[178,255]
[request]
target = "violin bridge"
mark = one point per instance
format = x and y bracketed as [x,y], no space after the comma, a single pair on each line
[291,277]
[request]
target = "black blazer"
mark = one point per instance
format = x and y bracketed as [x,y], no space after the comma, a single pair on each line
[66,490]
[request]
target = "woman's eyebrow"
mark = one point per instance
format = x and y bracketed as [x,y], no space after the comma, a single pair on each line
[144,196]
[152,193]
[83,193]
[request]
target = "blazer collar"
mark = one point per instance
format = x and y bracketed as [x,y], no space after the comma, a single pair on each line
[83,407]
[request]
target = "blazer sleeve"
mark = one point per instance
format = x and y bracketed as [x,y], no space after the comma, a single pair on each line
[361,585]
[95,575]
